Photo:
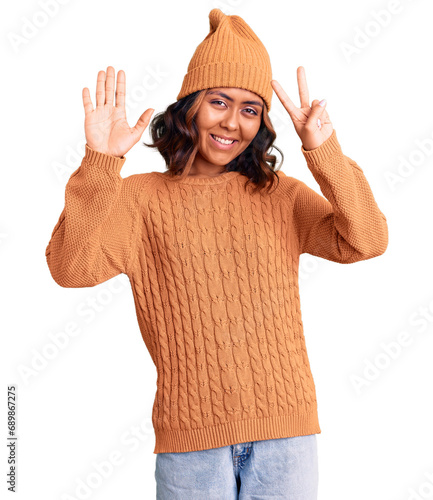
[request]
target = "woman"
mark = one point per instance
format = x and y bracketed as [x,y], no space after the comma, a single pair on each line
[212,254]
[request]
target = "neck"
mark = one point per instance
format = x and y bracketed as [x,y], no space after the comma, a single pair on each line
[203,168]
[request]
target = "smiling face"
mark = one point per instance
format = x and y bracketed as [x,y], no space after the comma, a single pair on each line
[227,113]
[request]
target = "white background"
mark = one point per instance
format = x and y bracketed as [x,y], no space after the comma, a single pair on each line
[89,400]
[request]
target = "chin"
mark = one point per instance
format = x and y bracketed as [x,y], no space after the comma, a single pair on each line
[219,160]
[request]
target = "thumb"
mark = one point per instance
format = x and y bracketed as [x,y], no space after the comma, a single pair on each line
[142,123]
[316,112]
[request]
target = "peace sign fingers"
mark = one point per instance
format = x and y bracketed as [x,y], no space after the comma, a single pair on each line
[311,123]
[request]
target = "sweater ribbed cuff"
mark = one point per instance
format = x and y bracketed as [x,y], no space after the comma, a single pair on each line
[318,155]
[104,161]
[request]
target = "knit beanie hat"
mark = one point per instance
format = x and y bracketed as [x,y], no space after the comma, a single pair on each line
[231,55]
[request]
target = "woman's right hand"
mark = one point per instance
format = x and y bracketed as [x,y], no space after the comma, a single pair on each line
[106,128]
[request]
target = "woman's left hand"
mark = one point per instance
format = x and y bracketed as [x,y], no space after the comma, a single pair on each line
[311,123]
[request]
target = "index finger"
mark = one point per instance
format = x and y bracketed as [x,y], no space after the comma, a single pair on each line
[284,98]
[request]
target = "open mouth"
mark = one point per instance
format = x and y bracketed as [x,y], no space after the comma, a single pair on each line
[222,143]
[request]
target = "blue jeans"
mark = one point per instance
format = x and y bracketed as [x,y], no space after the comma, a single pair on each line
[284,468]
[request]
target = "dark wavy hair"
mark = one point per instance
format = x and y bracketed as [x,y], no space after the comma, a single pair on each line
[175,134]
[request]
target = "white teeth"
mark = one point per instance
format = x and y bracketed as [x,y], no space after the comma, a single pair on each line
[223,141]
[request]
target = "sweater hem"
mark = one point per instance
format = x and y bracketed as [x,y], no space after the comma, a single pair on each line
[240,431]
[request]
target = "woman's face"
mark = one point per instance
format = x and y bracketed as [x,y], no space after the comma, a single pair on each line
[226,112]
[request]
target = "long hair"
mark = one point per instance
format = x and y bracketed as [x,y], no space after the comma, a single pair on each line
[175,134]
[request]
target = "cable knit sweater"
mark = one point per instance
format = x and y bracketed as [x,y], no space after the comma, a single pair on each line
[214,274]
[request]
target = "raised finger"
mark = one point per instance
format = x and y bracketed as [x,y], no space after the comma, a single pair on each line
[284,98]
[120,89]
[303,88]
[100,89]
[87,102]
[109,86]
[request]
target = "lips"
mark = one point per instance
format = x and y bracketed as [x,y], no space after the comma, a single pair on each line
[220,145]
[224,137]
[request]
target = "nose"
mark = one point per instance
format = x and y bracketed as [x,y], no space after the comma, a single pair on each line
[230,120]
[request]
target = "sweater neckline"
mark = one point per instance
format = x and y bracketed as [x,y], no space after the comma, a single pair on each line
[201,181]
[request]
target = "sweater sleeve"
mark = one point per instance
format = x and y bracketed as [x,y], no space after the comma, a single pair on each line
[348,225]
[93,238]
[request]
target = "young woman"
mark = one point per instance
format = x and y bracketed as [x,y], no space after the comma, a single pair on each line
[211,248]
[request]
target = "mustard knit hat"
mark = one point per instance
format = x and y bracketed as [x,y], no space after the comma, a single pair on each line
[231,55]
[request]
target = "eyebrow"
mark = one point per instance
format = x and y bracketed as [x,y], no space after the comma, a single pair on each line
[257,103]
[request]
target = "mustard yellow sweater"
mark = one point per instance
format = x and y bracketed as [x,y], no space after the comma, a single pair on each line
[214,274]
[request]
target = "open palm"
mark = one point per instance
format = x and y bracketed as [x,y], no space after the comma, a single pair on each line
[106,128]
[305,118]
